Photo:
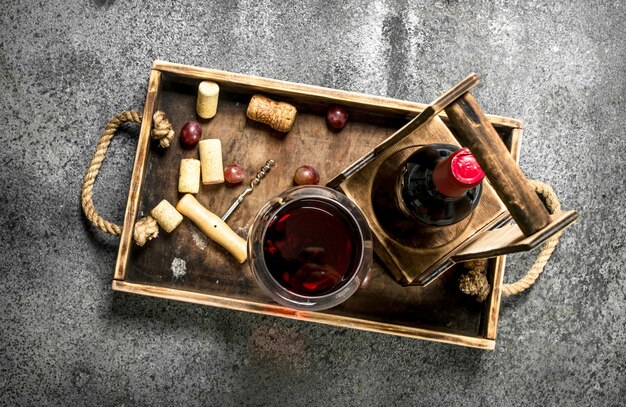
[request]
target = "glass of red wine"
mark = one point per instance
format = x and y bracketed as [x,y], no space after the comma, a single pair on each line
[310,248]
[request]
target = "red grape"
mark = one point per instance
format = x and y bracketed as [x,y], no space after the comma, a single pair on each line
[191,133]
[306,175]
[337,117]
[234,173]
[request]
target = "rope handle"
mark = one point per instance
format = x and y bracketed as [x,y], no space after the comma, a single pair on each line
[475,281]
[161,130]
[552,204]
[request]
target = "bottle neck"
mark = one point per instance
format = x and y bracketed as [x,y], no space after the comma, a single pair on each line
[457,174]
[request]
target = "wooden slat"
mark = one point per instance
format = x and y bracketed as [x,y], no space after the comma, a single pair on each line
[492,316]
[510,239]
[143,146]
[516,144]
[328,319]
[505,176]
[454,93]
[296,89]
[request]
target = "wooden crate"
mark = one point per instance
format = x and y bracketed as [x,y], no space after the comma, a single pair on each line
[437,312]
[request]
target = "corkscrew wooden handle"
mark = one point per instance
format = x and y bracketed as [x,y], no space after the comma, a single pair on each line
[476,132]
[212,226]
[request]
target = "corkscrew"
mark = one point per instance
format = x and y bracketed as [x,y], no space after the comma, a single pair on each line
[253,183]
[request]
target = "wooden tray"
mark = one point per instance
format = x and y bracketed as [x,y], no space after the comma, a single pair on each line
[438,312]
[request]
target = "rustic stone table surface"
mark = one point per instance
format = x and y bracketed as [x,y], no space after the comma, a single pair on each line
[67,67]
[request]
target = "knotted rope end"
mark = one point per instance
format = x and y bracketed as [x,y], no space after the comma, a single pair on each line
[472,284]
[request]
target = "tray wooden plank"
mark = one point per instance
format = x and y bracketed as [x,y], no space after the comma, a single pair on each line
[437,312]
[323,318]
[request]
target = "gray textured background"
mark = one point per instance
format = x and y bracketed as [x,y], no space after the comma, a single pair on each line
[67,67]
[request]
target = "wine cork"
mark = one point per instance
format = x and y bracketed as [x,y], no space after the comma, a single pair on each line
[212,226]
[189,176]
[211,161]
[166,216]
[278,115]
[206,103]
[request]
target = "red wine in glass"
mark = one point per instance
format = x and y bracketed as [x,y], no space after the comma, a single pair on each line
[311,247]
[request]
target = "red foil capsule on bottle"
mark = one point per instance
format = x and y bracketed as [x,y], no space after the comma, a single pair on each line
[458,173]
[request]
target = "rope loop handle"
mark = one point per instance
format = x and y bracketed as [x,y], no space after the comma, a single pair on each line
[475,281]
[549,198]
[94,168]
[161,131]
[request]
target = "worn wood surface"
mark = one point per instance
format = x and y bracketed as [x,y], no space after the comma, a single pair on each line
[141,157]
[212,276]
[413,253]
[478,134]
[510,239]
[247,83]
[426,332]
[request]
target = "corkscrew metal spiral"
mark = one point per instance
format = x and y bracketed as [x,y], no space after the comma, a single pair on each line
[253,183]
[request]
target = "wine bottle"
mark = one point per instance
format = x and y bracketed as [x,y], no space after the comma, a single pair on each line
[439,185]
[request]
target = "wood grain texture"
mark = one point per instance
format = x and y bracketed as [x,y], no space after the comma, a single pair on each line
[279,87]
[319,317]
[454,93]
[510,239]
[130,216]
[512,187]
[516,144]
[438,312]
[493,301]
[413,253]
